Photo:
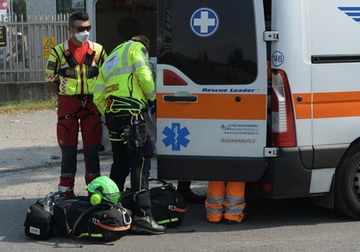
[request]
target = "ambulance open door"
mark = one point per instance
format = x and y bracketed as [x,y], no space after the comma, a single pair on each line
[211,90]
[116,21]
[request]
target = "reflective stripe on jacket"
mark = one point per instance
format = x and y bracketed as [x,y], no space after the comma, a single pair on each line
[74,79]
[125,74]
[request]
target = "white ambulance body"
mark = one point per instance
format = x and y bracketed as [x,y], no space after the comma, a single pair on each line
[220,118]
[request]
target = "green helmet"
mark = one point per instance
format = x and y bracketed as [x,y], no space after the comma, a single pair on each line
[106,187]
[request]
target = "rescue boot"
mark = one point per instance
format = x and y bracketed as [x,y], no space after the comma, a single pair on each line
[232,222]
[146,225]
[143,221]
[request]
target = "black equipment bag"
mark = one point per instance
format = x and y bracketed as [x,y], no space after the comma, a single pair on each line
[104,222]
[39,222]
[168,206]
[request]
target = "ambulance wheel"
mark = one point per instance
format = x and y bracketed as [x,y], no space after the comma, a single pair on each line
[347,183]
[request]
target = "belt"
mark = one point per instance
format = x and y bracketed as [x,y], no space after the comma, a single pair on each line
[80,97]
[124,103]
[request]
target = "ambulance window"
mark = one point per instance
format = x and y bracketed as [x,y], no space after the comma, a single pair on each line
[119,20]
[227,55]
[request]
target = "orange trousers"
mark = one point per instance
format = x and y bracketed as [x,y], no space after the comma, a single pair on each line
[225,200]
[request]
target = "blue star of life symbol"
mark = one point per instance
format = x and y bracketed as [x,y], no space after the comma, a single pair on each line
[204,22]
[176,136]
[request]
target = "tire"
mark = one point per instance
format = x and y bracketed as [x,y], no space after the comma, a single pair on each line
[347,183]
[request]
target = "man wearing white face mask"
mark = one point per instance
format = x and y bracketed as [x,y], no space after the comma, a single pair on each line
[71,72]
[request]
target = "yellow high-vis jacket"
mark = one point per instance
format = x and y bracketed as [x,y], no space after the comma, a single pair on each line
[74,79]
[125,74]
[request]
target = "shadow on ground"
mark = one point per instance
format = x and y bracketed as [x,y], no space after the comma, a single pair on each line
[263,214]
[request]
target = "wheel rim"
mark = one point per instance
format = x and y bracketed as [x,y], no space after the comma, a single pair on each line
[357,181]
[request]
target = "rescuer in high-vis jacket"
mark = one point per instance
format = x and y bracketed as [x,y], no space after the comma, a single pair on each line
[225,202]
[125,89]
[71,72]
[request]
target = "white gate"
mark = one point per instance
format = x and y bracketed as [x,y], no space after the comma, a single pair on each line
[29,44]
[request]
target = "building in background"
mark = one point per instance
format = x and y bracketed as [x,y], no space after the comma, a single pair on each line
[45,7]
[40,7]
[69,6]
[3,7]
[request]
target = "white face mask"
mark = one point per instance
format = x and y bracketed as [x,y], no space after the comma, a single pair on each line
[82,36]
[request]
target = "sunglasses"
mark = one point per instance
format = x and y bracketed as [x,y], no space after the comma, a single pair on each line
[82,28]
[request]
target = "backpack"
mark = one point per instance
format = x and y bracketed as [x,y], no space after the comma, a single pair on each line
[168,207]
[39,222]
[104,222]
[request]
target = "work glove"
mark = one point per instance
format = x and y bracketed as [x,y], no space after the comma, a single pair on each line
[152,107]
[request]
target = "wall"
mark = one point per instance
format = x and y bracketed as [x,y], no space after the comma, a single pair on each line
[36,90]
[10,92]
[40,7]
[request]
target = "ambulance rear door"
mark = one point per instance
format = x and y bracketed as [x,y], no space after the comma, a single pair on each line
[211,90]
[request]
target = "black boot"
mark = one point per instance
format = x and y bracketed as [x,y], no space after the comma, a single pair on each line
[143,222]
[146,225]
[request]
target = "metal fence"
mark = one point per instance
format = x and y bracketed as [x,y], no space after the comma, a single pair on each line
[28,45]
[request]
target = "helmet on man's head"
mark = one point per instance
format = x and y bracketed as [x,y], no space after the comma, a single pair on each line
[18,34]
[103,188]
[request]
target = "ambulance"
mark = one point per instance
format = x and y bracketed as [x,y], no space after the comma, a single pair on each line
[290,133]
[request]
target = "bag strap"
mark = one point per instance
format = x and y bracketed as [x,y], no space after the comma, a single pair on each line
[83,214]
[126,218]
[176,209]
[110,228]
[171,208]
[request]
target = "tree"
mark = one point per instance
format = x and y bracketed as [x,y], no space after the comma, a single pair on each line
[236,57]
[64,6]
[19,8]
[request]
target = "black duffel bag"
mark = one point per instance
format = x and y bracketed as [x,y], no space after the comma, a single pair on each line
[39,222]
[104,222]
[168,206]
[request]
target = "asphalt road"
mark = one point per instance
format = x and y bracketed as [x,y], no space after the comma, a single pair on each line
[29,169]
